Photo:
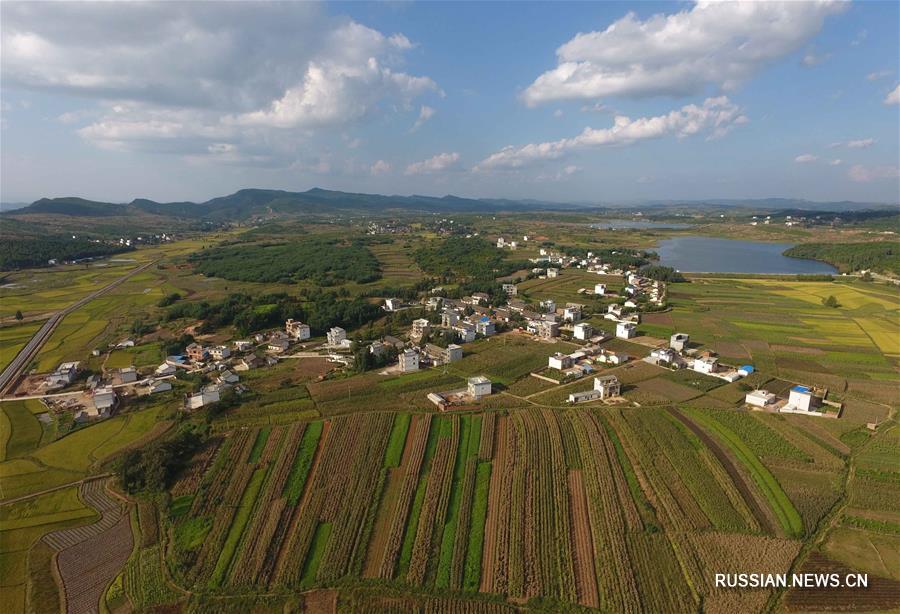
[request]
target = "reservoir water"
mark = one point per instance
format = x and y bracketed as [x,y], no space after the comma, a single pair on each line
[710,255]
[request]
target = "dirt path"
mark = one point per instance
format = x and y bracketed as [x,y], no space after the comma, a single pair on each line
[764,520]
[582,543]
[89,557]
[495,503]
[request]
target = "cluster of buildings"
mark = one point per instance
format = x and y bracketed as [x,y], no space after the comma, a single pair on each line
[583,361]
[679,355]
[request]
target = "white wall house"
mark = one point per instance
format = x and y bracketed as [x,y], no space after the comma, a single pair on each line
[625,330]
[583,331]
[607,386]
[479,386]
[600,289]
[408,361]
[297,330]
[706,365]
[336,336]
[759,398]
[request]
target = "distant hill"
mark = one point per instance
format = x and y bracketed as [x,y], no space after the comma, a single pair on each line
[253,203]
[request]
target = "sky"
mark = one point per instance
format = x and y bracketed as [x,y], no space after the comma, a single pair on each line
[576,102]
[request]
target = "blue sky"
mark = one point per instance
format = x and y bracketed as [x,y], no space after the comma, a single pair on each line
[561,101]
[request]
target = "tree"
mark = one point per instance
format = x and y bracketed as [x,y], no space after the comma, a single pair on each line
[830,301]
[19,315]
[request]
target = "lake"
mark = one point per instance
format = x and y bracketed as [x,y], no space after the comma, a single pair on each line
[709,255]
[624,224]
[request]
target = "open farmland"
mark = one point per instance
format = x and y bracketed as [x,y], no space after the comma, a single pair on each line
[575,506]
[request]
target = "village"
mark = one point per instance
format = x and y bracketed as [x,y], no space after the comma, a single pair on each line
[436,339]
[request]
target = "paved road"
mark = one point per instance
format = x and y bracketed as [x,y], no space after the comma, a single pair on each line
[17,367]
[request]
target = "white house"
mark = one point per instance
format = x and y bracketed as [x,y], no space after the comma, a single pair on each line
[208,395]
[449,319]
[297,330]
[707,364]
[600,289]
[242,345]
[551,272]
[408,361]
[420,328]
[607,386]
[453,353]
[559,361]
[155,386]
[759,398]
[277,346]
[64,374]
[510,289]
[392,304]
[479,386]
[625,330]
[663,356]
[679,341]
[803,398]
[336,336]
[165,369]
[548,306]
[485,327]
[104,399]
[219,352]
[465,332]
[583,331]
[572,313]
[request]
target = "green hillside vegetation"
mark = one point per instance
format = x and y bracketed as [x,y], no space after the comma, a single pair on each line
[19,253]
[325,261]
[472,257]
[882,256]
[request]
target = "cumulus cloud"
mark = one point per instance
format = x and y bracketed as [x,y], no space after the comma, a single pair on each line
[865,174]
[893,97]
[805,158]
[712,43]
[380,168]
[836,162]
[716,116]
[425,113]
[186,75]
[435,164]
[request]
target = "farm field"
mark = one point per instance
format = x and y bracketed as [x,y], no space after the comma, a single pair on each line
[450,493]
[13,338]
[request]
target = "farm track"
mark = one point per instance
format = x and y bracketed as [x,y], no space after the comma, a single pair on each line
[736,477]
[89,557]
[16,368]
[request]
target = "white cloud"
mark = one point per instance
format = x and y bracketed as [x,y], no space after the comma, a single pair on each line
[380,168]
[558,113]
[893,97]
[805,158]
[712,43]
[836,162]
[811,58]
[880,74]
[861,36]
[715,116]
[864,174]
[178,77]
[435,164]
[860,143]
[425,113]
